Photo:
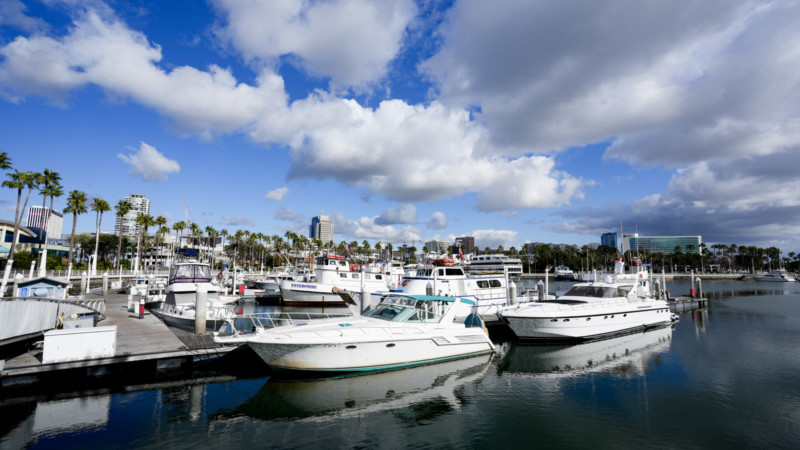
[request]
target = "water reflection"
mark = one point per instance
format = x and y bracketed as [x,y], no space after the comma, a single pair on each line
[623,356]
[54,417]
[415,394]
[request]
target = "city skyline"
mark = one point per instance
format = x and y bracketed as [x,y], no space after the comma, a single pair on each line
[411,121]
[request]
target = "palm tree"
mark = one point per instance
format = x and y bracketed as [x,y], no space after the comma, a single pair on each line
[212,235]
[5,161]
[194,232]
[76,204]
[122,208]
[52,191]
[49,179]
[179,227]
[145,221]
[99,206]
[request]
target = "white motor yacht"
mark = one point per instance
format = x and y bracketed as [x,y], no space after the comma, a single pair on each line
[403,331]
[589,311]
[777,276]
[331,271]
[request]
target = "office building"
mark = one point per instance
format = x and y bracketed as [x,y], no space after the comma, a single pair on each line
[322,229]
[609,239]
[467,243]
[437,246]
[37,216]
[661,244]
[139,205]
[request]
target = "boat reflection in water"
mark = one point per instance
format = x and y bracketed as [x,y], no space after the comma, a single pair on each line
[622,356]
[425,392]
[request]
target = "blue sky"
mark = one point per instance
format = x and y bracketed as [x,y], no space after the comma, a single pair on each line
[406,120]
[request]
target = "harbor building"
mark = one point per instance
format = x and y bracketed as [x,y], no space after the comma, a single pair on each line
[661,244]
[322,229]
[36,219]
[609,239]
[467,244]
[139,205]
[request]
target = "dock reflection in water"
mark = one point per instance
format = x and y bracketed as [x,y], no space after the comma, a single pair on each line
[425,392]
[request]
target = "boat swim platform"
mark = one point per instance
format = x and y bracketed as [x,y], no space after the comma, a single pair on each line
[145,346]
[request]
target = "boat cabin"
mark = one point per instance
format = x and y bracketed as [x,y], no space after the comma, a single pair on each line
[190,273]
[415,308]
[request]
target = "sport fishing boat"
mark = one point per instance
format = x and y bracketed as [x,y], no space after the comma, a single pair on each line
[591,310]
[331,271]
[179,306]
[403,331]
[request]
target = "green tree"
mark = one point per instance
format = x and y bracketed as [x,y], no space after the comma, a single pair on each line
[144,221]
[76,204]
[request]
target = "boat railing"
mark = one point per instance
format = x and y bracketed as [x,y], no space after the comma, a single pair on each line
[592,305]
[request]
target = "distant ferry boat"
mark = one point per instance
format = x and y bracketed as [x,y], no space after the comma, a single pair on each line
[497,264]
[564,273]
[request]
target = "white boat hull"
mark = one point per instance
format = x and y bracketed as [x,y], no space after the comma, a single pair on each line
[543,321]
[383,354]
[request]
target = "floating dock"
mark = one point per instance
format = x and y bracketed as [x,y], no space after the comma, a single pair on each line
[144,346]
[685,303]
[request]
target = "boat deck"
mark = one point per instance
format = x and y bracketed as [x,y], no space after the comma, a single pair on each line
[145,340]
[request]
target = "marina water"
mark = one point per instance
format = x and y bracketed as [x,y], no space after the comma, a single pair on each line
[722,377]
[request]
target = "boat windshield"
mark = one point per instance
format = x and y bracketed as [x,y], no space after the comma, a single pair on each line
[191,271]
[595,291]
[403,309]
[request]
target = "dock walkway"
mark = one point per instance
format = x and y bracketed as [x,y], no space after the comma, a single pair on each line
[141,342]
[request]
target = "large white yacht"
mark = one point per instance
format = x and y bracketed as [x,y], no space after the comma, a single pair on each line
[403,331]
[494,264]
[331,271]
[489,291]
[591,310]
[779,276]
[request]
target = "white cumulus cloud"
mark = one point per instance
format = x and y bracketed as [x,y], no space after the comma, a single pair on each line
[277,194]
[437,221]
[149,164]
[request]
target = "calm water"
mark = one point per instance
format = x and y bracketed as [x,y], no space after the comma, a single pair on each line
[721,378]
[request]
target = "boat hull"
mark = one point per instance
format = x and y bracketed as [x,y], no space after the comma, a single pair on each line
[368,356]
[530,324]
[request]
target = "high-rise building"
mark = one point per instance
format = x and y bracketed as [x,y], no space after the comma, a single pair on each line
[139,205]
[322,229]
[467,243]
[661,244]
[36,218]
[435,246]
[609,239]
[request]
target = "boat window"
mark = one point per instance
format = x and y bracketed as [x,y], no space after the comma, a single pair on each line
[367,276]
[483,284]
[592,291]
[378,277]
[386,311]
[355,276]
[494,283]
[342,275]
[441,271]
[455,271]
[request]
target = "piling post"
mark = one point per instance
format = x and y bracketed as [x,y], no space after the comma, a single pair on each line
[105,283]
[200,309]
[84,282]
[30,274]
[512,293]
[699,288]
[546,283]
[540,290]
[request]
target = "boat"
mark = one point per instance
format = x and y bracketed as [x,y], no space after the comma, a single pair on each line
[563,273]
[330,271]
[489,291]
[591,310]
[776,276]
[494,264]
[403,331]
[179,306]
[138,286]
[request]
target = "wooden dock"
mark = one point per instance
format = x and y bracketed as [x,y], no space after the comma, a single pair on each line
[685,303]
[143,346]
